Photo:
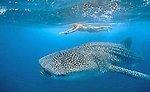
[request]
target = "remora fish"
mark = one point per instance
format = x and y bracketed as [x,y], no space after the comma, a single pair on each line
[92,59]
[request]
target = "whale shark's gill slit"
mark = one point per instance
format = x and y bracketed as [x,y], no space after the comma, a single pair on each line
[102,61]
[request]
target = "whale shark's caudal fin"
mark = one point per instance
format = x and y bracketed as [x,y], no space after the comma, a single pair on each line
[128,72]
[127,42]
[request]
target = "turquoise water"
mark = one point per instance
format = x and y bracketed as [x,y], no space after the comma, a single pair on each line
[29,30]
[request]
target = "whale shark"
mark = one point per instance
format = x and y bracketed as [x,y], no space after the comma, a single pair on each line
[92,59]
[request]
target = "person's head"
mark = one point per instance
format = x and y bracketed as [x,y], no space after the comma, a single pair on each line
[76,24]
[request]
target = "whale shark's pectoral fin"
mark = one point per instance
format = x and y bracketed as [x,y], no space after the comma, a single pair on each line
[128,72]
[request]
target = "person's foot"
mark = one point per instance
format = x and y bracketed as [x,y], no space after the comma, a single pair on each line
[109,27]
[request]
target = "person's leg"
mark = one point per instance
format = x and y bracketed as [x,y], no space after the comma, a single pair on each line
[104,28]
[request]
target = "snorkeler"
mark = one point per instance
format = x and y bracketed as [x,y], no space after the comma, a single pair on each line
[88,28]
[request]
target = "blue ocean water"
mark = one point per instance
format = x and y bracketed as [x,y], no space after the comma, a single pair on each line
[29,30]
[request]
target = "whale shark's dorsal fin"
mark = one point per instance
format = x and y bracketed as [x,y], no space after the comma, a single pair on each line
[128,72]
[127,42]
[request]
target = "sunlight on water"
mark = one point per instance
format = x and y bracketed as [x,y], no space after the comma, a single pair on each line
[69,11]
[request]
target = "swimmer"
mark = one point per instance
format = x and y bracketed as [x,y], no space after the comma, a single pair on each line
[88,28]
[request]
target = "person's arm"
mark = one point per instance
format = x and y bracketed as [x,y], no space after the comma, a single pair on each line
[70,31]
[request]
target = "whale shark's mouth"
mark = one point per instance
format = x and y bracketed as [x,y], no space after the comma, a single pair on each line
[42,71]
[46,72]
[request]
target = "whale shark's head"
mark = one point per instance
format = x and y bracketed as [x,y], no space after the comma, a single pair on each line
[67,63]
[52,64]
[61,63]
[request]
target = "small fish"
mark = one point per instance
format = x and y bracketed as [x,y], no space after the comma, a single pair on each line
[92,59]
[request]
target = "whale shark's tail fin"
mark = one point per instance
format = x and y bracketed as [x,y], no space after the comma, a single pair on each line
[128,72]
[127,42]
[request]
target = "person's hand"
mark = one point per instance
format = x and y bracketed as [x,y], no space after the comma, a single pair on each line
[63,33]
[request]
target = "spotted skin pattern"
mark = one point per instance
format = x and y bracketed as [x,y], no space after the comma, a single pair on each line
[98,56]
